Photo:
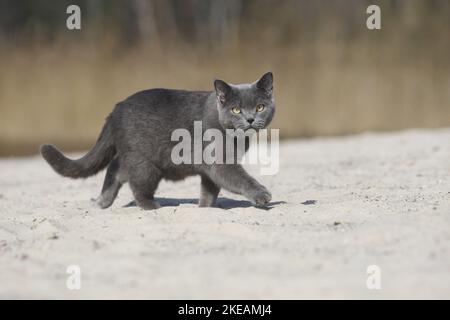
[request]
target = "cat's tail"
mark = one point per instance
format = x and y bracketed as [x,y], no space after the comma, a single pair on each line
[94,161]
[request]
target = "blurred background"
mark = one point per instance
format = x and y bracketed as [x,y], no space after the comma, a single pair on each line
[333,76]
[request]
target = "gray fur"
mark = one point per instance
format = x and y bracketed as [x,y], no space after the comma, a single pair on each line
[135,143]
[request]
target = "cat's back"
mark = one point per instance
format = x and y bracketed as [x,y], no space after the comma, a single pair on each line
[158,111]
[167,98]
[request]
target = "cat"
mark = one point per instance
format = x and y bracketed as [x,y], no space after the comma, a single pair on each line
[135,143]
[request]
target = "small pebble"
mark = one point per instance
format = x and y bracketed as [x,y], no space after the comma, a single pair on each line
[53,237]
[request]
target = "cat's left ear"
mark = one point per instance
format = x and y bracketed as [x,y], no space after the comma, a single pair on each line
[266,83]
[223,90]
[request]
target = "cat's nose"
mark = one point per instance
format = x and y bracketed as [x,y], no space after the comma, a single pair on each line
[250,120]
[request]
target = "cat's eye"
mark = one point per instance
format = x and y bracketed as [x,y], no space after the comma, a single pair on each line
[236,110]
[260,107]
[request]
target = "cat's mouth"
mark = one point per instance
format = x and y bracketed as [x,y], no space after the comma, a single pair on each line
[252,127]
[247,127]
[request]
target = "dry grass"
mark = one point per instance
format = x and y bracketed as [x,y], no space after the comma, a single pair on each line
[61,93]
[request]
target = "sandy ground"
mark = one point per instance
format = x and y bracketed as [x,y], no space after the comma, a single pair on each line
[339,205]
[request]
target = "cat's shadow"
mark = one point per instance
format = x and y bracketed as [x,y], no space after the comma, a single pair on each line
[222,203]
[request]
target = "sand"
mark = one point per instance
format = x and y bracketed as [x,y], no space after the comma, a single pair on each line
[339,205]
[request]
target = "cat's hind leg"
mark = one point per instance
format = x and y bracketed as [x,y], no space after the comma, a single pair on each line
[144,179]
[111,185]
[208,192]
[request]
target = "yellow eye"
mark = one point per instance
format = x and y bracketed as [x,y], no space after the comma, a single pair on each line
[260,107]
[236,110]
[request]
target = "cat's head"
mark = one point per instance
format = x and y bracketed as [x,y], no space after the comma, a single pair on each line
[246,106]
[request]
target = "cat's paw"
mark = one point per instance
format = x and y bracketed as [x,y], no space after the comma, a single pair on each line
[262,198]
[148,204]
[101,202]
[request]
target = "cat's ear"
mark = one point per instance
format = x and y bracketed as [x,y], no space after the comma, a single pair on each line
[223,90]
[266,83]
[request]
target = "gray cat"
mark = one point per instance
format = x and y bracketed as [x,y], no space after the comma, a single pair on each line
[135,142]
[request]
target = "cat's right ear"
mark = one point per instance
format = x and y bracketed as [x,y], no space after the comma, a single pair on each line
[223,90]
[266,83]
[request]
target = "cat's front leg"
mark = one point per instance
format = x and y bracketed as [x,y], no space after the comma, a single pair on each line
[234,178]
[208,193]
